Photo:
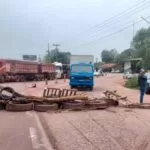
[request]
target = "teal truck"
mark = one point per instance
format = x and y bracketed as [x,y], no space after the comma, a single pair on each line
[82,71]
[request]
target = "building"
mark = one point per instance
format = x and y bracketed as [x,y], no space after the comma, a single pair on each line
[109,67]
[130,65]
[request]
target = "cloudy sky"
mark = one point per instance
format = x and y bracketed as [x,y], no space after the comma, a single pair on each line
[81,26]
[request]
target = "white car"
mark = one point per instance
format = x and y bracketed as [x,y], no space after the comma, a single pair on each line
[96,73]
[128,75]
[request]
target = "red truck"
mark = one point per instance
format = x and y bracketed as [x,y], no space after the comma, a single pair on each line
[17,70]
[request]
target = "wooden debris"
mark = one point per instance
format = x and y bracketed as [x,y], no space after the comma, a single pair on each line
[114,96]
[58,99]
[142,106]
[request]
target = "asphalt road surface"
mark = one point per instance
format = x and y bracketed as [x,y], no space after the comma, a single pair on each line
[110,129]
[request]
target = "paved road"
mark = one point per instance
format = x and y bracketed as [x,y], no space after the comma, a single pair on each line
[22,131]
[115,128]
[111,129]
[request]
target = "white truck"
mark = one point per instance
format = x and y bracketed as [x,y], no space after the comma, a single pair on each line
[88,59]
[59,70]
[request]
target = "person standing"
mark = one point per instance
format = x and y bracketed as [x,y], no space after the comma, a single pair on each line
[142,81]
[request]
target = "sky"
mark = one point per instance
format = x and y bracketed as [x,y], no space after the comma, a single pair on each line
[81,26]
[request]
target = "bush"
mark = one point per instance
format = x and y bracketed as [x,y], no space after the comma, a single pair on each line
[132,83]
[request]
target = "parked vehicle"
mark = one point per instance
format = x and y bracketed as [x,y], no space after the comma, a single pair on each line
[17,70]
[96,73]
[66,70]
[128,75]
[148,83]
[82,71]
[59,69]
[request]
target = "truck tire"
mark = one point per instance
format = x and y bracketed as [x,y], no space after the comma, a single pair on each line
[19,107]
[2,106]
[71,87]
[2,79]
[45,107]
[91,88]
[97,105]
[6,97]
[147,91]
[72,105]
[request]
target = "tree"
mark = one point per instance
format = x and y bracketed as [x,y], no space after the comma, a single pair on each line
[109,56]
[97,65]
[139,65]
[127,54]
[141,44]
[56,55]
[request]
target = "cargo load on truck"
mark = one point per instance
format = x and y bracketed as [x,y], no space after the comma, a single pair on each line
[18,70]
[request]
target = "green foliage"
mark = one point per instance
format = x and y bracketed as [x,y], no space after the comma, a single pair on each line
[56,55]
[132,83]
[141,44]
[98,65]
[109,56]
[140,65]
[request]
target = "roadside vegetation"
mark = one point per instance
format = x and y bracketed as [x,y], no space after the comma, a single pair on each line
[132,83]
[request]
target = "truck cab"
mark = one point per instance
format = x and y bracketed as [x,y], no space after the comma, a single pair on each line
[82,75]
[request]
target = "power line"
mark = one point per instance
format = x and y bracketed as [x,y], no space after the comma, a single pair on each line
[95,35]
[145,20]
[113,33]
[103,24]
[120,15]
[116,22]
[120,18]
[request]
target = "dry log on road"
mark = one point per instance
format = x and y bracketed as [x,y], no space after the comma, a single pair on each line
[143,106]
[57,100]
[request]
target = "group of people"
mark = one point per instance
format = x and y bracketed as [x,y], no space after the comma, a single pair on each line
[142,82]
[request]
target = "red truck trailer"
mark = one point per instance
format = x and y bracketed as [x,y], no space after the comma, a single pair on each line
[17,70]
[48,70]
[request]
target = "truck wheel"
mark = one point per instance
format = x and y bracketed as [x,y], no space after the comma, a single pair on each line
[2,106]
[72,105]
[72,87]
[147,91]
[91,88]
[96,105]
[7,93]
[2,79]
[19,107]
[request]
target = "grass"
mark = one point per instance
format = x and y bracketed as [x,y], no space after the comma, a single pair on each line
[132,83]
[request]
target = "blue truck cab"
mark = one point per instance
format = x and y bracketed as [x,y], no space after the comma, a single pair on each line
[82,75]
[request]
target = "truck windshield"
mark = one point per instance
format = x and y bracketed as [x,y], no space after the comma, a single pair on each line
[78,69]
[58,68]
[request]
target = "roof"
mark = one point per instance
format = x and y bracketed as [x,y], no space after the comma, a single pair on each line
[134,59]
[107,66]
[57,63]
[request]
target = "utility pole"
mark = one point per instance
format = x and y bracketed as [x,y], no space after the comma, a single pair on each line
[56,46]
[145,20]
[48,52]
[133,28]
